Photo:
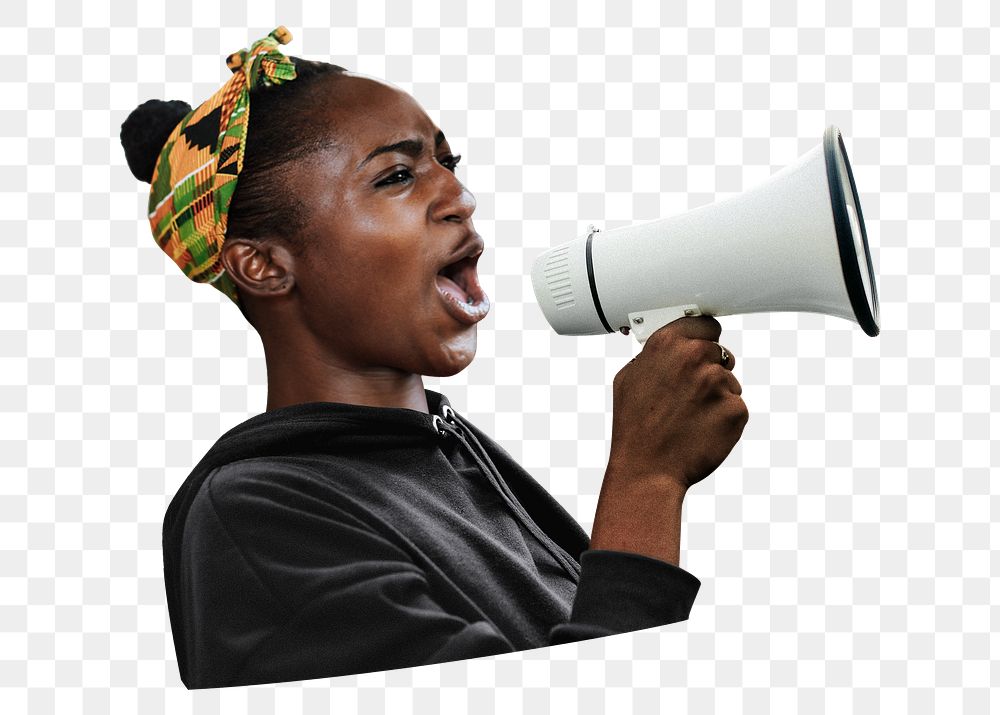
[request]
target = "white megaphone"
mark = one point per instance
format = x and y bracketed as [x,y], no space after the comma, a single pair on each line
[797,242]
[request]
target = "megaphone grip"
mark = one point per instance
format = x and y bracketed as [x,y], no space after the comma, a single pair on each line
[644,323]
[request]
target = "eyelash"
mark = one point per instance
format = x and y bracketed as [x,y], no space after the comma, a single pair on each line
[450,161]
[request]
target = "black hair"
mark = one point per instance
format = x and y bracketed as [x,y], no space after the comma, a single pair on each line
[282,128]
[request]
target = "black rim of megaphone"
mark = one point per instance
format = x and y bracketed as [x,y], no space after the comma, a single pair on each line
[845,239]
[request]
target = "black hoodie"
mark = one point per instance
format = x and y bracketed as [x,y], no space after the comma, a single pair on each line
[326,539]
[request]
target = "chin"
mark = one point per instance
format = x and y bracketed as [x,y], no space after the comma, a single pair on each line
[452,357]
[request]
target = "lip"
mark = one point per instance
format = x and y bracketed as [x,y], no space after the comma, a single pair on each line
[479,309]
[472,245]
[467,253]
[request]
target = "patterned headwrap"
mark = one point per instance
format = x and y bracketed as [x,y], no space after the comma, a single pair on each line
[195,175]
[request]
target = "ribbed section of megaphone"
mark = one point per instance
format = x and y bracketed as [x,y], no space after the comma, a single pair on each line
[558,280]
[561,280]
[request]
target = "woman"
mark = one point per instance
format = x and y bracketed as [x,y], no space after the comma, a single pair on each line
[360,523]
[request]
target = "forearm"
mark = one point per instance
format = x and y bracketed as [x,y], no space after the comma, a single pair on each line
[639,515]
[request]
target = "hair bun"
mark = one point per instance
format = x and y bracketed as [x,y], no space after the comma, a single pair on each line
[145,131]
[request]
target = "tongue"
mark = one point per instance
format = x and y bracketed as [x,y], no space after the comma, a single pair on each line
[447,285]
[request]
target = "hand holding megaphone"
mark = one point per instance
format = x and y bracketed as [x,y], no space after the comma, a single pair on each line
[797,242]
[677,415]
[678,410]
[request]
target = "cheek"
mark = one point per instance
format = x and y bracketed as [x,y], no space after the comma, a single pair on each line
[383,279]
[373,260]
[391,258]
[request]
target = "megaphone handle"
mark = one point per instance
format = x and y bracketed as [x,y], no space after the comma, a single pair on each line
[644,323]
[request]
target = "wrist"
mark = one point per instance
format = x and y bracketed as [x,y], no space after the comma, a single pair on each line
[640,513]
[658,484]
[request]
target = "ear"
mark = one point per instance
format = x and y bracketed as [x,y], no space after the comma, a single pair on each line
[262,268]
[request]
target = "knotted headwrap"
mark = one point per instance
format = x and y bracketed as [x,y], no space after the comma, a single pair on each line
[195,175]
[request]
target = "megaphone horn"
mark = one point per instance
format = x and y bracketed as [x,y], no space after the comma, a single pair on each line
[796,242]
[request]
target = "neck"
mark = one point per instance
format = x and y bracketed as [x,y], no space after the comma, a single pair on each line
[295,376]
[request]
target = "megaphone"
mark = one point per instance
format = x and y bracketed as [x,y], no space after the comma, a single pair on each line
[797,242]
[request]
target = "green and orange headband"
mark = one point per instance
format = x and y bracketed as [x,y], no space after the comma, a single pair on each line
[196,173]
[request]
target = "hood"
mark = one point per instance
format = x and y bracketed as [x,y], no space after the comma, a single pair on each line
[305,427]
[317,427]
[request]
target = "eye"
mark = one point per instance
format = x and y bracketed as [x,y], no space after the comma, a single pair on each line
[451,161]
[404,173]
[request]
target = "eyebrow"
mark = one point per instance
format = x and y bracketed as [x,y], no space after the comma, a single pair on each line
[411,147]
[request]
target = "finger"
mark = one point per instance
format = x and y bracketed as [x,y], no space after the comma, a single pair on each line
[732,384]
[711,351]
[702,327]
[741,414]
[723,382]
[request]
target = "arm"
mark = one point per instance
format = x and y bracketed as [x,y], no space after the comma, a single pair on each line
[630,577]
[641,516]
[677,414]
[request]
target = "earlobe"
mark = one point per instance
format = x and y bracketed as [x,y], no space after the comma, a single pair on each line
[258,267]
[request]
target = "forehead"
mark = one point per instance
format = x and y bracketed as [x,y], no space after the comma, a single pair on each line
[370,112]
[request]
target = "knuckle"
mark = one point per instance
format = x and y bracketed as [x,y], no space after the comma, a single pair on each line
[705,379]
[661,338]
[707,327]
[736,386]
[692,352]
[728,385]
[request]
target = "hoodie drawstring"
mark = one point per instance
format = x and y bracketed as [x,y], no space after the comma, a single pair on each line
[454,429]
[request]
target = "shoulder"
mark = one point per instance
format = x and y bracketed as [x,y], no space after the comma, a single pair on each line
[263,502]
[260,486]
[266,474]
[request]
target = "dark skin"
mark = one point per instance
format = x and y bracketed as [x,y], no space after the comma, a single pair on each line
[356,316]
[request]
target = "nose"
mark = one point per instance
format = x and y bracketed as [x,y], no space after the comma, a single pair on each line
[454,202]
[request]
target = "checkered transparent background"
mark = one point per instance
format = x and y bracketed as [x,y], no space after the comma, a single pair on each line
[846,547]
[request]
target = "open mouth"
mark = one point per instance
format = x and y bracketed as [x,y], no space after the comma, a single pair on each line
[461,281]
[458,284]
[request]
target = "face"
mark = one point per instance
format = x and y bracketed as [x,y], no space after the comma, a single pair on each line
[382,225]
